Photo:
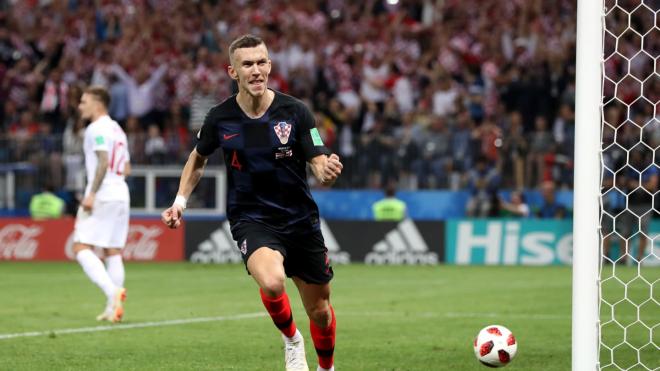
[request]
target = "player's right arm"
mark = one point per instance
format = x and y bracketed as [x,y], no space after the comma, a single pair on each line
[190,176]
[192,171]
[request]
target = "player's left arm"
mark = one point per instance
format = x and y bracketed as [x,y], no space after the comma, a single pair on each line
[326,168]
[325,164]
[101,169]
[127,168]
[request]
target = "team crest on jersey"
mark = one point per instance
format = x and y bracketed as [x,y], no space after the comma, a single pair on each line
[282,129]
[244,247]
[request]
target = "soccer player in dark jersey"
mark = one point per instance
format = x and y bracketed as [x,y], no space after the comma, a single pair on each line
[267,139]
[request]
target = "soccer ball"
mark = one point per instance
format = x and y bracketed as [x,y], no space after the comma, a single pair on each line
[495,346]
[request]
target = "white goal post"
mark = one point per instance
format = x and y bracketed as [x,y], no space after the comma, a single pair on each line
[586,239]
[616,200]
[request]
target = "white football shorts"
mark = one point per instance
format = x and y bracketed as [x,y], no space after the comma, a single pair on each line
[106,226]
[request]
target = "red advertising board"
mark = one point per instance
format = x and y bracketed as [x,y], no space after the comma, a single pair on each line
[27,239]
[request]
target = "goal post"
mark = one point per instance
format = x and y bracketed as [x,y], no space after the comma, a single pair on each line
[586,239]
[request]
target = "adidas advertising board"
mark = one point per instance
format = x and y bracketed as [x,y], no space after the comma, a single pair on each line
[335,253]
[367,242]
[210,241]
[405,242]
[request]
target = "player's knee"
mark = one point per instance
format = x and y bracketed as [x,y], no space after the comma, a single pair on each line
[320,314]
[78,247]
[273,286]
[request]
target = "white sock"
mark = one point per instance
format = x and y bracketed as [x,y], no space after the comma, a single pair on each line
[115,267]
[95,270]
[296,336]
[326,369]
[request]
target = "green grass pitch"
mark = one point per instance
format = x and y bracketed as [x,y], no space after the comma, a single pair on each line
[389,318]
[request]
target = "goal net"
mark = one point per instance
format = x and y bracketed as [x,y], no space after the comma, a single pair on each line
[630,201]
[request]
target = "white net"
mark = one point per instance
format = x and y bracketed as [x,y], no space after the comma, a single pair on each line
[630,269]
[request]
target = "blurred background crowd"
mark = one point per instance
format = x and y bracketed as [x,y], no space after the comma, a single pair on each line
[419,94]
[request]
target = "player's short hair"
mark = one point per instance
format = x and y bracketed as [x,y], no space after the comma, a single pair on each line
[245,41]
[100,93]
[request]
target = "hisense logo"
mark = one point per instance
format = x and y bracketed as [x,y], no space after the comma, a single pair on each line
[506,243]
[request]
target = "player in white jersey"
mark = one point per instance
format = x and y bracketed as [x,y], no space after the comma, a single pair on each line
[102,219]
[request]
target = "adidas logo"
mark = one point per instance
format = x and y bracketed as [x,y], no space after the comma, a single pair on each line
[219,248]
[404,245]
[334,251]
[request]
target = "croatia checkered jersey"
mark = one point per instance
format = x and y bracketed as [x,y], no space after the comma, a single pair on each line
[266,162]
[106,135]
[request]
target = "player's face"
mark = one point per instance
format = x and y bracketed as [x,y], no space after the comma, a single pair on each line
[87,106]
[250,68]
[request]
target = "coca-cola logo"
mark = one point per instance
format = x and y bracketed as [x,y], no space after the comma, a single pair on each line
[19,241]
[142,243]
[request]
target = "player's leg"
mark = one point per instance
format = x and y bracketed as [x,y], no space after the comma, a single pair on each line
[114,310]
[115,265]
[95,270]
[312,273]
[267,268]
[322,321]
[91,230]
[116,213]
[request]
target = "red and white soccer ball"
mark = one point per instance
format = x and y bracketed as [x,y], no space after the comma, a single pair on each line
[495,346]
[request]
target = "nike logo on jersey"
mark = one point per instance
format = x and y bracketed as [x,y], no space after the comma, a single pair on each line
[229,136]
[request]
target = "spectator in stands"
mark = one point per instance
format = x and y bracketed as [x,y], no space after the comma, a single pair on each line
[540,143]
[435,163]
[483,184]
[517,207]
[473,63]
[642,179]
[46,205]
[203,98]
[406,137]
[445,96]
[155,148]
[514,149]
[74,169]
[563,129]
[389,208]
[379,151]
[54,100]
[489,138]
[550,208]
[119,105]
[140,90]
[461,148]
[614,203]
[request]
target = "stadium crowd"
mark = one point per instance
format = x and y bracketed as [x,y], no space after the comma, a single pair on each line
[422,93]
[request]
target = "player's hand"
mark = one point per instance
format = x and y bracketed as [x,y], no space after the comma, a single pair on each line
[331,170]
[88,202]
[172,216]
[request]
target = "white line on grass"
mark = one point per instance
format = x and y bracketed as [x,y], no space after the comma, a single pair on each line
[539,316]
[129,326]
[529,316]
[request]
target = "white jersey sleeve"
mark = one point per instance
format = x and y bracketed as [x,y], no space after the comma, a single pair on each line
[106,135]
[100,138]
